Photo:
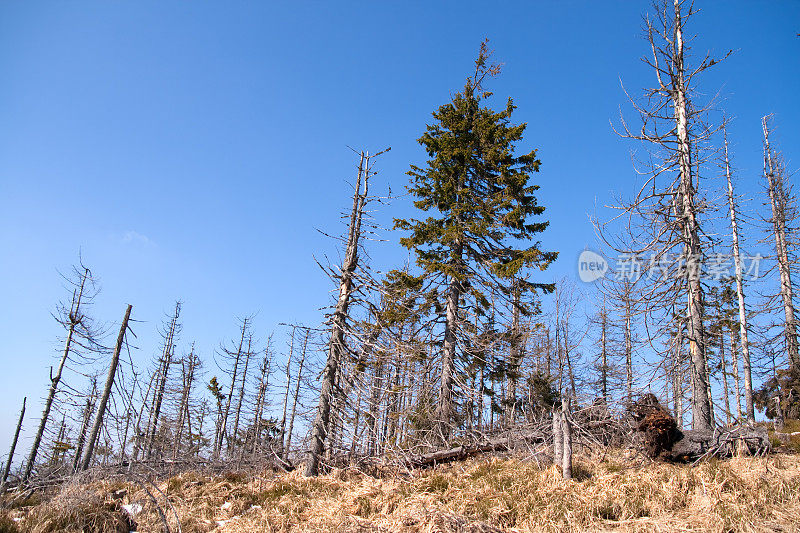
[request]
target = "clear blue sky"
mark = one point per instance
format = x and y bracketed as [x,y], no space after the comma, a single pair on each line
[189,149]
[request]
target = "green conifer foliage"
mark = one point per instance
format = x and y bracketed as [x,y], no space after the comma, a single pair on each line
[479,237]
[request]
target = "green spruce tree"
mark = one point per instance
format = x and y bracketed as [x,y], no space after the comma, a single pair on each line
[479,237]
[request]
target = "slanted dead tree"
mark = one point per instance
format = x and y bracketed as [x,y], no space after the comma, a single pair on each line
[10,458]
[162,375]
[234,357]
[101,409]
[80,332]
[296,395]
[88,411]
[234,441]
[339,318]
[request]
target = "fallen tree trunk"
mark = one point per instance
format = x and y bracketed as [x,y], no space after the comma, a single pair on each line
[696,445]
[499,444]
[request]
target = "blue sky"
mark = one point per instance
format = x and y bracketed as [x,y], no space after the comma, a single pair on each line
[188,150]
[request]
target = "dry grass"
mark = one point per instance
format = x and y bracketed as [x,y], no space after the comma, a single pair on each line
[490,495]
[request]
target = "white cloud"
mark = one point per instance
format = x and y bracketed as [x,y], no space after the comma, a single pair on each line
[134,237]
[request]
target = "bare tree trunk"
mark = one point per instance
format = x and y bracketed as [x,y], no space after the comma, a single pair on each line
[286,395]
[288,446]
[336,345]
[101,409]
[515,353]
[701,404]
[138,442]
[725,391]
[74,317]
[566,463]
[183,408]
[628,345]
[444,406]
[222,434]
[604,355]
[558,438]
[262,397]
[247,356]
[166,360]
[10,458]
[736,382]
[743,330]
[88,411]
[374,404]
[777,199]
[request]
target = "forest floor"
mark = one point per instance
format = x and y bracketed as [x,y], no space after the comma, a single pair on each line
[480,495]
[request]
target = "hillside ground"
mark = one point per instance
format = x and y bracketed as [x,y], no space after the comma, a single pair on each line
[488,494]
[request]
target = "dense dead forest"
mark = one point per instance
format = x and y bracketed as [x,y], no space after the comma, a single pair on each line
[684,346]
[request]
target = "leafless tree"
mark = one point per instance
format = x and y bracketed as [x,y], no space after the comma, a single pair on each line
[668,214]
[743,327]
[10,458]
[336,345]
[81,333]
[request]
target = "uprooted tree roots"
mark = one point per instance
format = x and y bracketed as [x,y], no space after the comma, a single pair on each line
[661,438]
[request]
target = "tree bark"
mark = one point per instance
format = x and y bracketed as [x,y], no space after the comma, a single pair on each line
[101,409]
[777,201]
[296,396]
[10,458]
[222,433]
[88,411]
[166,360]
[74,317]
[515,353]
[242,389]
[566,427]
[336,345]
[743,330]
[444,407]
[701,404]
[558,438]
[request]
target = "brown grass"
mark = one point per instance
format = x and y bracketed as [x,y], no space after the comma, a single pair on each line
[490,495]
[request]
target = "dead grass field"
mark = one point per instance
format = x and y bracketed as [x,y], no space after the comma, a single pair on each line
[480,495]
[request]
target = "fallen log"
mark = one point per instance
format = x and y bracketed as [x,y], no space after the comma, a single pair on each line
[499,444]
[722,442]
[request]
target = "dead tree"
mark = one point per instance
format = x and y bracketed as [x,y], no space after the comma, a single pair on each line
[261,398]
[604,355]
[566,427]
[189,367]
[112,373]
[781,205]
[166,360]
[336,345]
[242,391]
[10,458]
[77,325]
[235,356]
[286,394]
[303,350]
[515,355]
[558,437]
[743,330]
[667,215]
[88,411]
